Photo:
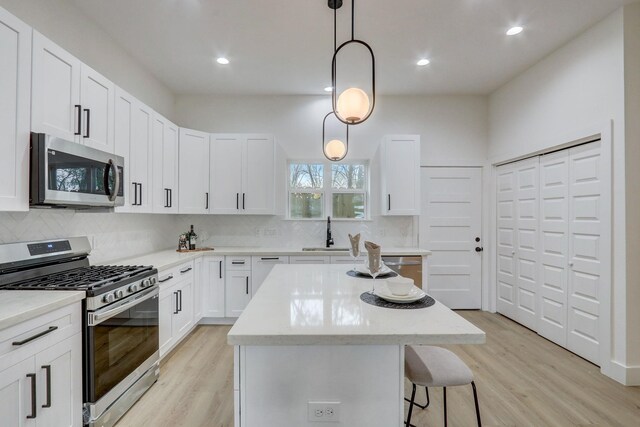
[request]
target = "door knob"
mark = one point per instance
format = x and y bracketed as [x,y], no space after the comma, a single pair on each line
[477,239]
[479,249]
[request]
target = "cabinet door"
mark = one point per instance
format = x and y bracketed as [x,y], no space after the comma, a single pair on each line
[258,179]
[123,132]
[261,266]
[15,87]
[167,306]
[183,320]
[346,260]
[15,394]
[226,174]
[55,105]
[141,154]
[97,95]
[194,172]
[165,165]
[60,384]
[309,259]
[238,292]
[213,287]
[400,160]
[198,272]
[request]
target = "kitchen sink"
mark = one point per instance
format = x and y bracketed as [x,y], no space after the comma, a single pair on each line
[325,249]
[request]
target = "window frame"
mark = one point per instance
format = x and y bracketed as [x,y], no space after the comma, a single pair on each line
[327,191]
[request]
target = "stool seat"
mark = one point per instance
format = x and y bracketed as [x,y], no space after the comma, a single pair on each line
[435,367]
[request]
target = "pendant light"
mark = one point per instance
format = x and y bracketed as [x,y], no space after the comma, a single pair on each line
[352,106]
[334,149]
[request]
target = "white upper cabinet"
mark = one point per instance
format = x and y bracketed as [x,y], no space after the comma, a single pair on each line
[400,175]
[165,165]
[193,179]
[15,87]
[140,161]
[55,107]
[97,96]
[242,174]
[123,118]
[70,100]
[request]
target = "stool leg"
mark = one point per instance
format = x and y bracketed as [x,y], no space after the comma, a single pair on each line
[475,399]
[444,398]
[411,402]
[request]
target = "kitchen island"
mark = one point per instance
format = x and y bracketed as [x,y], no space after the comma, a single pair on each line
[306,340]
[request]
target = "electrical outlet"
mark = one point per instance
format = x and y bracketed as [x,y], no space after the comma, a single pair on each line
[270,231]
[323,412]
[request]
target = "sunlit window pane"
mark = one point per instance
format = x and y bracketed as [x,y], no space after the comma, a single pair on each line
[306,205]
[348,205]
[306,175]
[347,177]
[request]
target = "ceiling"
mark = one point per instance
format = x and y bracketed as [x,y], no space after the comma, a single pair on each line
[285,46]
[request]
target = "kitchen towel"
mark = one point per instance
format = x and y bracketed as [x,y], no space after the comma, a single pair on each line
[355,244]
[373,251]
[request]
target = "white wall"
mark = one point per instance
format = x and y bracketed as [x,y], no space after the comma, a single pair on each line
[453,129]
[68,27]
[576,88]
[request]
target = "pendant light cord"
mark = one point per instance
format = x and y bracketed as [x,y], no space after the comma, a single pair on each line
[353,19]
[335,29]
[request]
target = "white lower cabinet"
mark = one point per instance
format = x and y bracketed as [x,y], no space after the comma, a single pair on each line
[41,380]
[238,292]
[176,305]
[261,266]
[309,259]
[343,259]
[213,287]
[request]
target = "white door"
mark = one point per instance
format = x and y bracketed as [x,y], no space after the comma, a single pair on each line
[400,161]
[527,183]
[97,95]
[15,116]
[15,394]
[226,174]
[213,287]
[194,172]
[506,240]
[55,107]
[586,216]
[237,292]
[123,132]
[261,266]
[141,154]
[258,178]
[554,227]
[60,384]
[450,227]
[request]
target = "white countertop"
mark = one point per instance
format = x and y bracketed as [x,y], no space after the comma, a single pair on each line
[320,305]
[170,258]
[19,306]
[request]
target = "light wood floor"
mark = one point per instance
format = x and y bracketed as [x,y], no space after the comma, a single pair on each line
[522,379]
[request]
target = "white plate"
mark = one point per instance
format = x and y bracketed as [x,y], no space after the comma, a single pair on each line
[362,269]
[414,295]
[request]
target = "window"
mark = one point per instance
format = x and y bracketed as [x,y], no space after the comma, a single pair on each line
[317,190]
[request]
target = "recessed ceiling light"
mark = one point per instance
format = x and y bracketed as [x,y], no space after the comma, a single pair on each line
[514,30]
[222,61]
[423,62]
[328,89]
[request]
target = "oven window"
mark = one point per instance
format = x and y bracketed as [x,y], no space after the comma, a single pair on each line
[121,344]
[75,174]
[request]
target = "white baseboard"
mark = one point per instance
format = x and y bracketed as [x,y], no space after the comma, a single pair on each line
[217,321]
[626,375]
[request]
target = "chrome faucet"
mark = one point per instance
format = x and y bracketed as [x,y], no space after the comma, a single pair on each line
[329,238]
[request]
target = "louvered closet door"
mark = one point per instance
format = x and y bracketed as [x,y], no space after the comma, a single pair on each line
[527,184]
[586,213]
[506,240]
[554,228]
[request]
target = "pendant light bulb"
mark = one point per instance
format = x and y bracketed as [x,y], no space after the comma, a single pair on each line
[335,150]
[353,105]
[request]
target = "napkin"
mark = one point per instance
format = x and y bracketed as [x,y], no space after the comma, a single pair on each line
[355,244]
[375,261]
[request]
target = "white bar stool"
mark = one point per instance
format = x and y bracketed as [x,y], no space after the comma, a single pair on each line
[429,366]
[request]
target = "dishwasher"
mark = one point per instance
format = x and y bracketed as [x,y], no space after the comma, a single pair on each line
[406,266]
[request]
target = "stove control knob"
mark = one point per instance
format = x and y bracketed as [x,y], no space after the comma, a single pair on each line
[154,280]
[133,288]
[146,283]
[119,293]
[108,298]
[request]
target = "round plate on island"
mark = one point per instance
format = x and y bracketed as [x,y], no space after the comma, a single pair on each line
[414,295]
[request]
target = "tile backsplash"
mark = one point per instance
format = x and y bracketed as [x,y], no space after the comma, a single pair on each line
[116,236]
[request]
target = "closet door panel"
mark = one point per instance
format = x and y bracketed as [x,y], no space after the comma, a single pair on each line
[506,239]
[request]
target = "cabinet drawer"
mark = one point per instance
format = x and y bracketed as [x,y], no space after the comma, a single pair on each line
[238,262]
[177,274]
[39,333]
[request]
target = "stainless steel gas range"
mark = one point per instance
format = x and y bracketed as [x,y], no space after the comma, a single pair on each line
[120,318]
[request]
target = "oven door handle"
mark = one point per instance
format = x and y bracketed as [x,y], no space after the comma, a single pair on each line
[99,317]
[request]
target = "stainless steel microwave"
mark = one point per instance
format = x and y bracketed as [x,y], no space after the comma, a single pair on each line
[68,174]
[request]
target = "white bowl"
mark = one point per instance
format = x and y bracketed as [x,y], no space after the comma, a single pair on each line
[399,285]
